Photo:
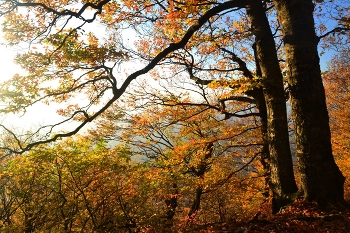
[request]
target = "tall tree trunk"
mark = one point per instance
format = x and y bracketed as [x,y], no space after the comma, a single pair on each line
[282,176]
[321,179]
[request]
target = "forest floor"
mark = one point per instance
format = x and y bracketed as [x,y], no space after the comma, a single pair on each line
[299,217]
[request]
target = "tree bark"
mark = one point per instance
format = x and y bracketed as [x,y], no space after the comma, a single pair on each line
[282,176]
[321,179]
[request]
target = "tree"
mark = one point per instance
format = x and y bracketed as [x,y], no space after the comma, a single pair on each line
[282,176]
[321,179]
[204,151]
[76,185]
[78,62]
[81,184]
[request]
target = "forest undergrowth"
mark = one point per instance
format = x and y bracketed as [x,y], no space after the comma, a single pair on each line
[300,216]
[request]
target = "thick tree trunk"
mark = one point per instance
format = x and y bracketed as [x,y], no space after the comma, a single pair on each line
[282,177]
[321,179]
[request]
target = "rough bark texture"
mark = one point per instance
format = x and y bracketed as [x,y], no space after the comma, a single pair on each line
[282,177]
[258,95]
[321,179]
[264,152]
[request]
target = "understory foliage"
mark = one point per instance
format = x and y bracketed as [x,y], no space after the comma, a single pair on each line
[165,161]
[79,185]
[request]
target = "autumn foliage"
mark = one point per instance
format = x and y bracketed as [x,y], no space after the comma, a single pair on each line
[180,127]
[338,96]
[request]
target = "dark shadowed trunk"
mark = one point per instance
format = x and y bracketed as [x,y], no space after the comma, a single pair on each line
[28,223]
[282,177]
[196,203]
[264,151]
[199,173]
[321,179]
[171,203]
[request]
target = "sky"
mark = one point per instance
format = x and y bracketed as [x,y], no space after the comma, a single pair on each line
[7,66]
[36,115]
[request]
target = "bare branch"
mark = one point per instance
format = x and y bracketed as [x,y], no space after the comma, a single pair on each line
[335,30]
[65,12]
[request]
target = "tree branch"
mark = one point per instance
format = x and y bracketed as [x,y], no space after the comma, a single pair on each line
[335,30]
[65,12]
[118,92]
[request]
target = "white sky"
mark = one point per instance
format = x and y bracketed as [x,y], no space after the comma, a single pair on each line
[7,66]
[36,115]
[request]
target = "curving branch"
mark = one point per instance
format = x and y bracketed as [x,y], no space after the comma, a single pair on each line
[221,110]
[118,92]
[239,98]
[333,31]
[242,64]
[98,7]
[179,45]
